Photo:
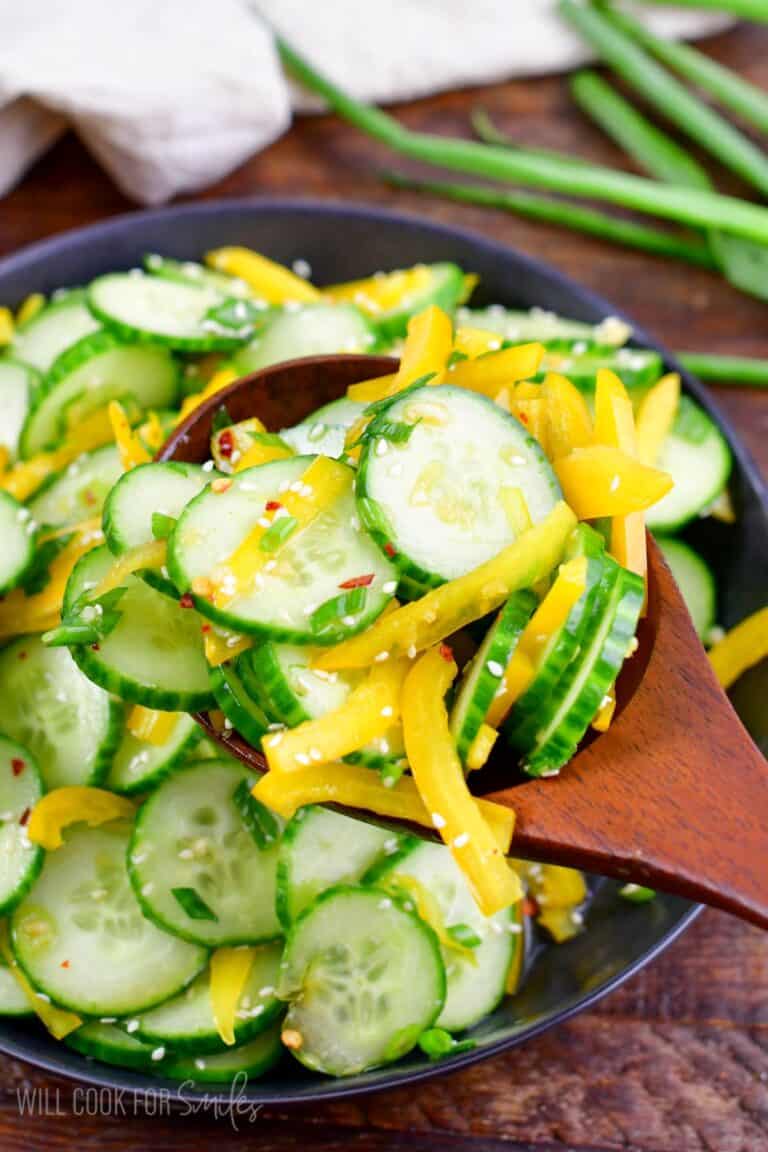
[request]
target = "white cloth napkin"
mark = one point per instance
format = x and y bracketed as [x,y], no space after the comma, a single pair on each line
[170,95]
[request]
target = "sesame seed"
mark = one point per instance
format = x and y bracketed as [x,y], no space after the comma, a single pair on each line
[495,668]
[208,466]
[132,1026]
[267,990]
[147,889]
[301,758]
[389,587]
[385,903]
[158,1053]
[388,711]
[380,657]
[438,820]
[381,447]
[412,652]
[315,754]
[200,1064]
[615,483]
[461,841]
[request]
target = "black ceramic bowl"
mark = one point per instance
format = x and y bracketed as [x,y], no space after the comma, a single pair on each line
[340,243]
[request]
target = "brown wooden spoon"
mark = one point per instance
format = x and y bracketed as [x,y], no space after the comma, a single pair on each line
[674,795]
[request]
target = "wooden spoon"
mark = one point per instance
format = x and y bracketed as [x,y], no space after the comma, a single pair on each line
[674,795]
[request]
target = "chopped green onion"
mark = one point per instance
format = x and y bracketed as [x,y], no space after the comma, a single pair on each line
[277,533]
[747,9]
[437,1043]
[740,371]
[38,575]
[464,935]
[636,894]
[391,772]
[193,904]
[394,431]
[332,611]
[88,621]
[162,525]
[221,420]
[258,819]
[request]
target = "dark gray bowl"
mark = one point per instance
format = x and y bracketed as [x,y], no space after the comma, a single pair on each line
[342,242]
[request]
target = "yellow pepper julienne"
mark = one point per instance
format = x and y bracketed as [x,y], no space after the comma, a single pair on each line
[741,648]
[481,747]
[381,293]
[74,805]
[7,327]
[221,646]
[262,452]
[487,374]
[604,715]
[452,606]
[58,1021]
[532,414]
[132,451]
[151,726]
[655,417]
[220,380]
[601,481]
[558,892]
[29,308]
[151,555]
[370,710]
[569,424]
[440,780]
[266,279]
[356,787]
[615,428]
[425,352]
[230,969]
[474,342]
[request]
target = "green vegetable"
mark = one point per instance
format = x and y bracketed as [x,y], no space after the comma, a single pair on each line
[636,894]
[193,904]
[277,533]
[162,525]
[221,420]
[437,1043]
[331,611]
[88,621]
[259,821]
[740,371]
[747,9]
[464,935]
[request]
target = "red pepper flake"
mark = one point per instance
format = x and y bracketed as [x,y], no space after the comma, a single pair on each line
[22,655]
[18,765]
[89,497]
[390,549]
[205,629]
[221,484]
[272,506]
[186,601]
[96,647]
[226,443]
[64,964]
[530,907]
[522,417]
[359,581]
[25,816]
[446,652]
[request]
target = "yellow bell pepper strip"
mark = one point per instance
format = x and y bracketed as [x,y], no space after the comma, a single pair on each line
[439,777]
[220,646]
[517,967]
[426,350]
[601,481]
[131,449]
[655,417]
[151,555]
[318,487]
[230,969]
[7,327]
[74,805]
[356,787]
[532,414]
[383,292]
[152,433]
[263,452]
[58,1021]
[151,726]
[604,714]
[474,342]
[428,909]
[218,382]
[722,508]
[370,710]
[229,444]
[481,747]
[741,648]
[487,374]
[5,459]
[459,602]
[266,279]
[29,308]
[615,427]
[548,619]
[469,283]
[558,892]
[569,424]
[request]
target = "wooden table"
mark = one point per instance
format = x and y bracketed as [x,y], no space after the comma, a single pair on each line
[677,1059]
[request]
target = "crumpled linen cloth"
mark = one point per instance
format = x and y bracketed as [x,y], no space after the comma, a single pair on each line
[170,95]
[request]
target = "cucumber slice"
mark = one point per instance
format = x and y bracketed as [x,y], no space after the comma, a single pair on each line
[20,789]
[437,497]
[186,1023]
[154,655]
[308,330]
[320,849]
[344,412]
[543,326]
[17,532]
[111,1045]
[364,978]
[78,493]
[190,834]
[476,976]
[97,369]
[81,938]
[145,490]
[13,1000]
[482,677]
[636,367]
[442,286]
[55,328]
[582,689]
[198,276]
[280,676]
[152,308]
[18,383]
[695,580]
[310,566]
[69,725]
[316,438]
[138,766]
[697,457]
[241,709]
[237,1065]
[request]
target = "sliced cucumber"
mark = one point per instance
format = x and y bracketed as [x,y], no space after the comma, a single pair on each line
[144,491]
[241,709]
[154,655]
[441,285]
[581,690]
[17,533]
[636,367]
[17,386]
[543,326]
[343,412]
[437,497]
[171,312]
[81,938]
[198,276]
[138,766]
[476,974]
[20,789]
[317,437]
[55,328]
[78,493]
[237,1065]
[483,675]
[309,568]
[186,1022]
[697,457]
[97,369]
[190,835]
[111,1045]
[308,330]
[70,726]
[13,1000]
[321,848]
[291,692]
[695,580]
[364,978]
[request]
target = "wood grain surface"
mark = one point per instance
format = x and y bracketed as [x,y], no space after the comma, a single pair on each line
[677,1059]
